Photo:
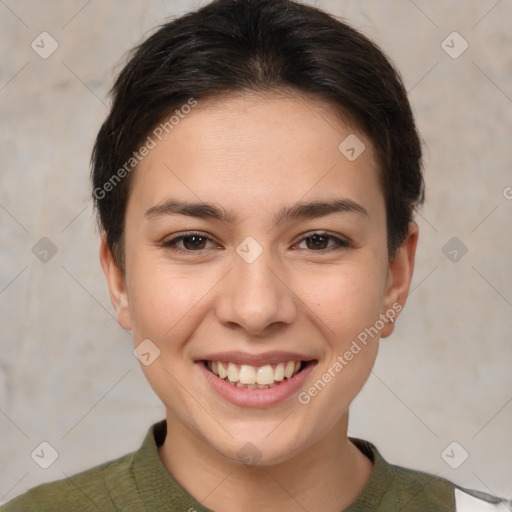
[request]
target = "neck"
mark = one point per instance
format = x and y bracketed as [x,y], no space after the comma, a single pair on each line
[327,476]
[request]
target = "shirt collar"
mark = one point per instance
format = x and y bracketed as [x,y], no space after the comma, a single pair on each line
[156,489]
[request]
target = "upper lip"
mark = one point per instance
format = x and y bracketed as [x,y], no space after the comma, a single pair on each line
[256,359]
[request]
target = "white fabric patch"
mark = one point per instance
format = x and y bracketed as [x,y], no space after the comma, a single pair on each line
[466,503]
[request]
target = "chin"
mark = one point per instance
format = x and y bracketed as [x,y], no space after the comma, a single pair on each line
[260,451]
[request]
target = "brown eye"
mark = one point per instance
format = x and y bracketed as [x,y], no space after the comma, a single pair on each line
[318,242]
[193,242]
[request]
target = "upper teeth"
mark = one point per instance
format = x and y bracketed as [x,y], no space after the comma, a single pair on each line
[247,374]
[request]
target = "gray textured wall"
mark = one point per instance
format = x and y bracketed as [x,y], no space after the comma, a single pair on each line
[67,372]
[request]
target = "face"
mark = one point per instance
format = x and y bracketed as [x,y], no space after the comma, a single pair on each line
[284,270]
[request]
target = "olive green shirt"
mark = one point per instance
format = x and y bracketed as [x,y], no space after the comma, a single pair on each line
[139,482]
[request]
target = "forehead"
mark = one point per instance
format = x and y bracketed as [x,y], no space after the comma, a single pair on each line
[270,148]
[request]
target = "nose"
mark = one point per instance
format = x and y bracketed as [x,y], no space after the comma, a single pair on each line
[256,297]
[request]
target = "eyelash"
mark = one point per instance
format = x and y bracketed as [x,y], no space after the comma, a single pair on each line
[171,244]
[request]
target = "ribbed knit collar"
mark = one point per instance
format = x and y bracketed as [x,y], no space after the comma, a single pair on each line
[159,490]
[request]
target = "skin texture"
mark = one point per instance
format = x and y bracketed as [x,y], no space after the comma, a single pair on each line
[253,155]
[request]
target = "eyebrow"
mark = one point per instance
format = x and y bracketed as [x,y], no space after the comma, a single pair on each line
[299,211]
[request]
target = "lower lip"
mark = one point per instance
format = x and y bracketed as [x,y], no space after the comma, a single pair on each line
[247,397]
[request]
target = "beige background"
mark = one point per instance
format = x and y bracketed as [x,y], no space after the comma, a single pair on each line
[67,372]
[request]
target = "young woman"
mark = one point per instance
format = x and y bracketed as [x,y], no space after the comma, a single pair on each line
[255,183]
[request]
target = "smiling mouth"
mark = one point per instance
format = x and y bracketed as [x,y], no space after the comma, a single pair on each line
[256,377]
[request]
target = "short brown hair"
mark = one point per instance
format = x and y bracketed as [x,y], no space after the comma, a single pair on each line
[258,45]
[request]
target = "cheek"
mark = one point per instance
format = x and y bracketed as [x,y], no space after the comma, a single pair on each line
[346,299]
[343,298]
[347,305]
[164,300]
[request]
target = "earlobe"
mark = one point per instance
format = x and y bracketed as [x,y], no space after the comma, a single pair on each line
[116,284]
[399,279]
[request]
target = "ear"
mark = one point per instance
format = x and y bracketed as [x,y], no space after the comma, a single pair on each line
[399,279]
[116,285]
